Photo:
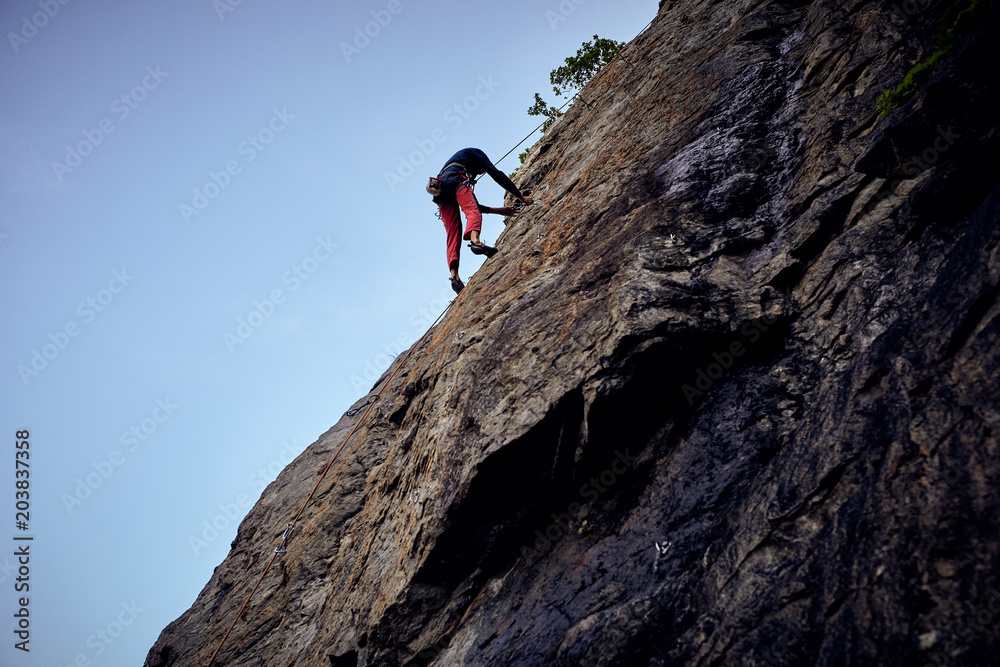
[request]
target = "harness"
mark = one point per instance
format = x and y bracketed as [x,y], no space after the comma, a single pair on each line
[435,184]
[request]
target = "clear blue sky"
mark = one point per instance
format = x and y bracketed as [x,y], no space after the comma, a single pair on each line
[205,262]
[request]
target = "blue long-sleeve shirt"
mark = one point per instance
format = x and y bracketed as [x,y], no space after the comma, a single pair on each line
[476,162]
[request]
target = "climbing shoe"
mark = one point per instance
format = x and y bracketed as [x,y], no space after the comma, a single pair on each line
[482,249]
[457,285]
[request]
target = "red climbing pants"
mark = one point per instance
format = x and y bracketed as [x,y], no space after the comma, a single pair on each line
[465,199]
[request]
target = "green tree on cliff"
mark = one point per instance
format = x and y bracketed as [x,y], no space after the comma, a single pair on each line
[577,71]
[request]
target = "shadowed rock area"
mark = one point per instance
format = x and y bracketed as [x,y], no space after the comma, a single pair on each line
[727,396]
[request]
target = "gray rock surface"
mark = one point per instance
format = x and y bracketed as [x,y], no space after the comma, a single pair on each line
[728,395]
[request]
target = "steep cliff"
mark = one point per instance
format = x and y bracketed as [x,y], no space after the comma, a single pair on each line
[728,396]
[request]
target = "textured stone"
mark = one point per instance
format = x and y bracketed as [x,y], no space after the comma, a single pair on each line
[728,395]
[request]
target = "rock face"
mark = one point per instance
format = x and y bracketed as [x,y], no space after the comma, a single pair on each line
[729,395]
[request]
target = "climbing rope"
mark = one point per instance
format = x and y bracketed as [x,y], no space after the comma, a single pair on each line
[536,129]
[282,545]
[578,127]
[613,58]
[281,548]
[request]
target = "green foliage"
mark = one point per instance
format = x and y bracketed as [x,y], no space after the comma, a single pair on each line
[587,62]
[521,156]
[958,20]
[541,108]
[577,71]
[914,80]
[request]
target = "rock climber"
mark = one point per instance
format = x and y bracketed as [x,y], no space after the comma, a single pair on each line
[457,179]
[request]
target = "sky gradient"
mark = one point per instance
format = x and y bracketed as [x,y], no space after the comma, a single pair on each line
[214,238]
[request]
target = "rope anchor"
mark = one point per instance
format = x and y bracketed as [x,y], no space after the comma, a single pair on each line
[351,413]
[281,548]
